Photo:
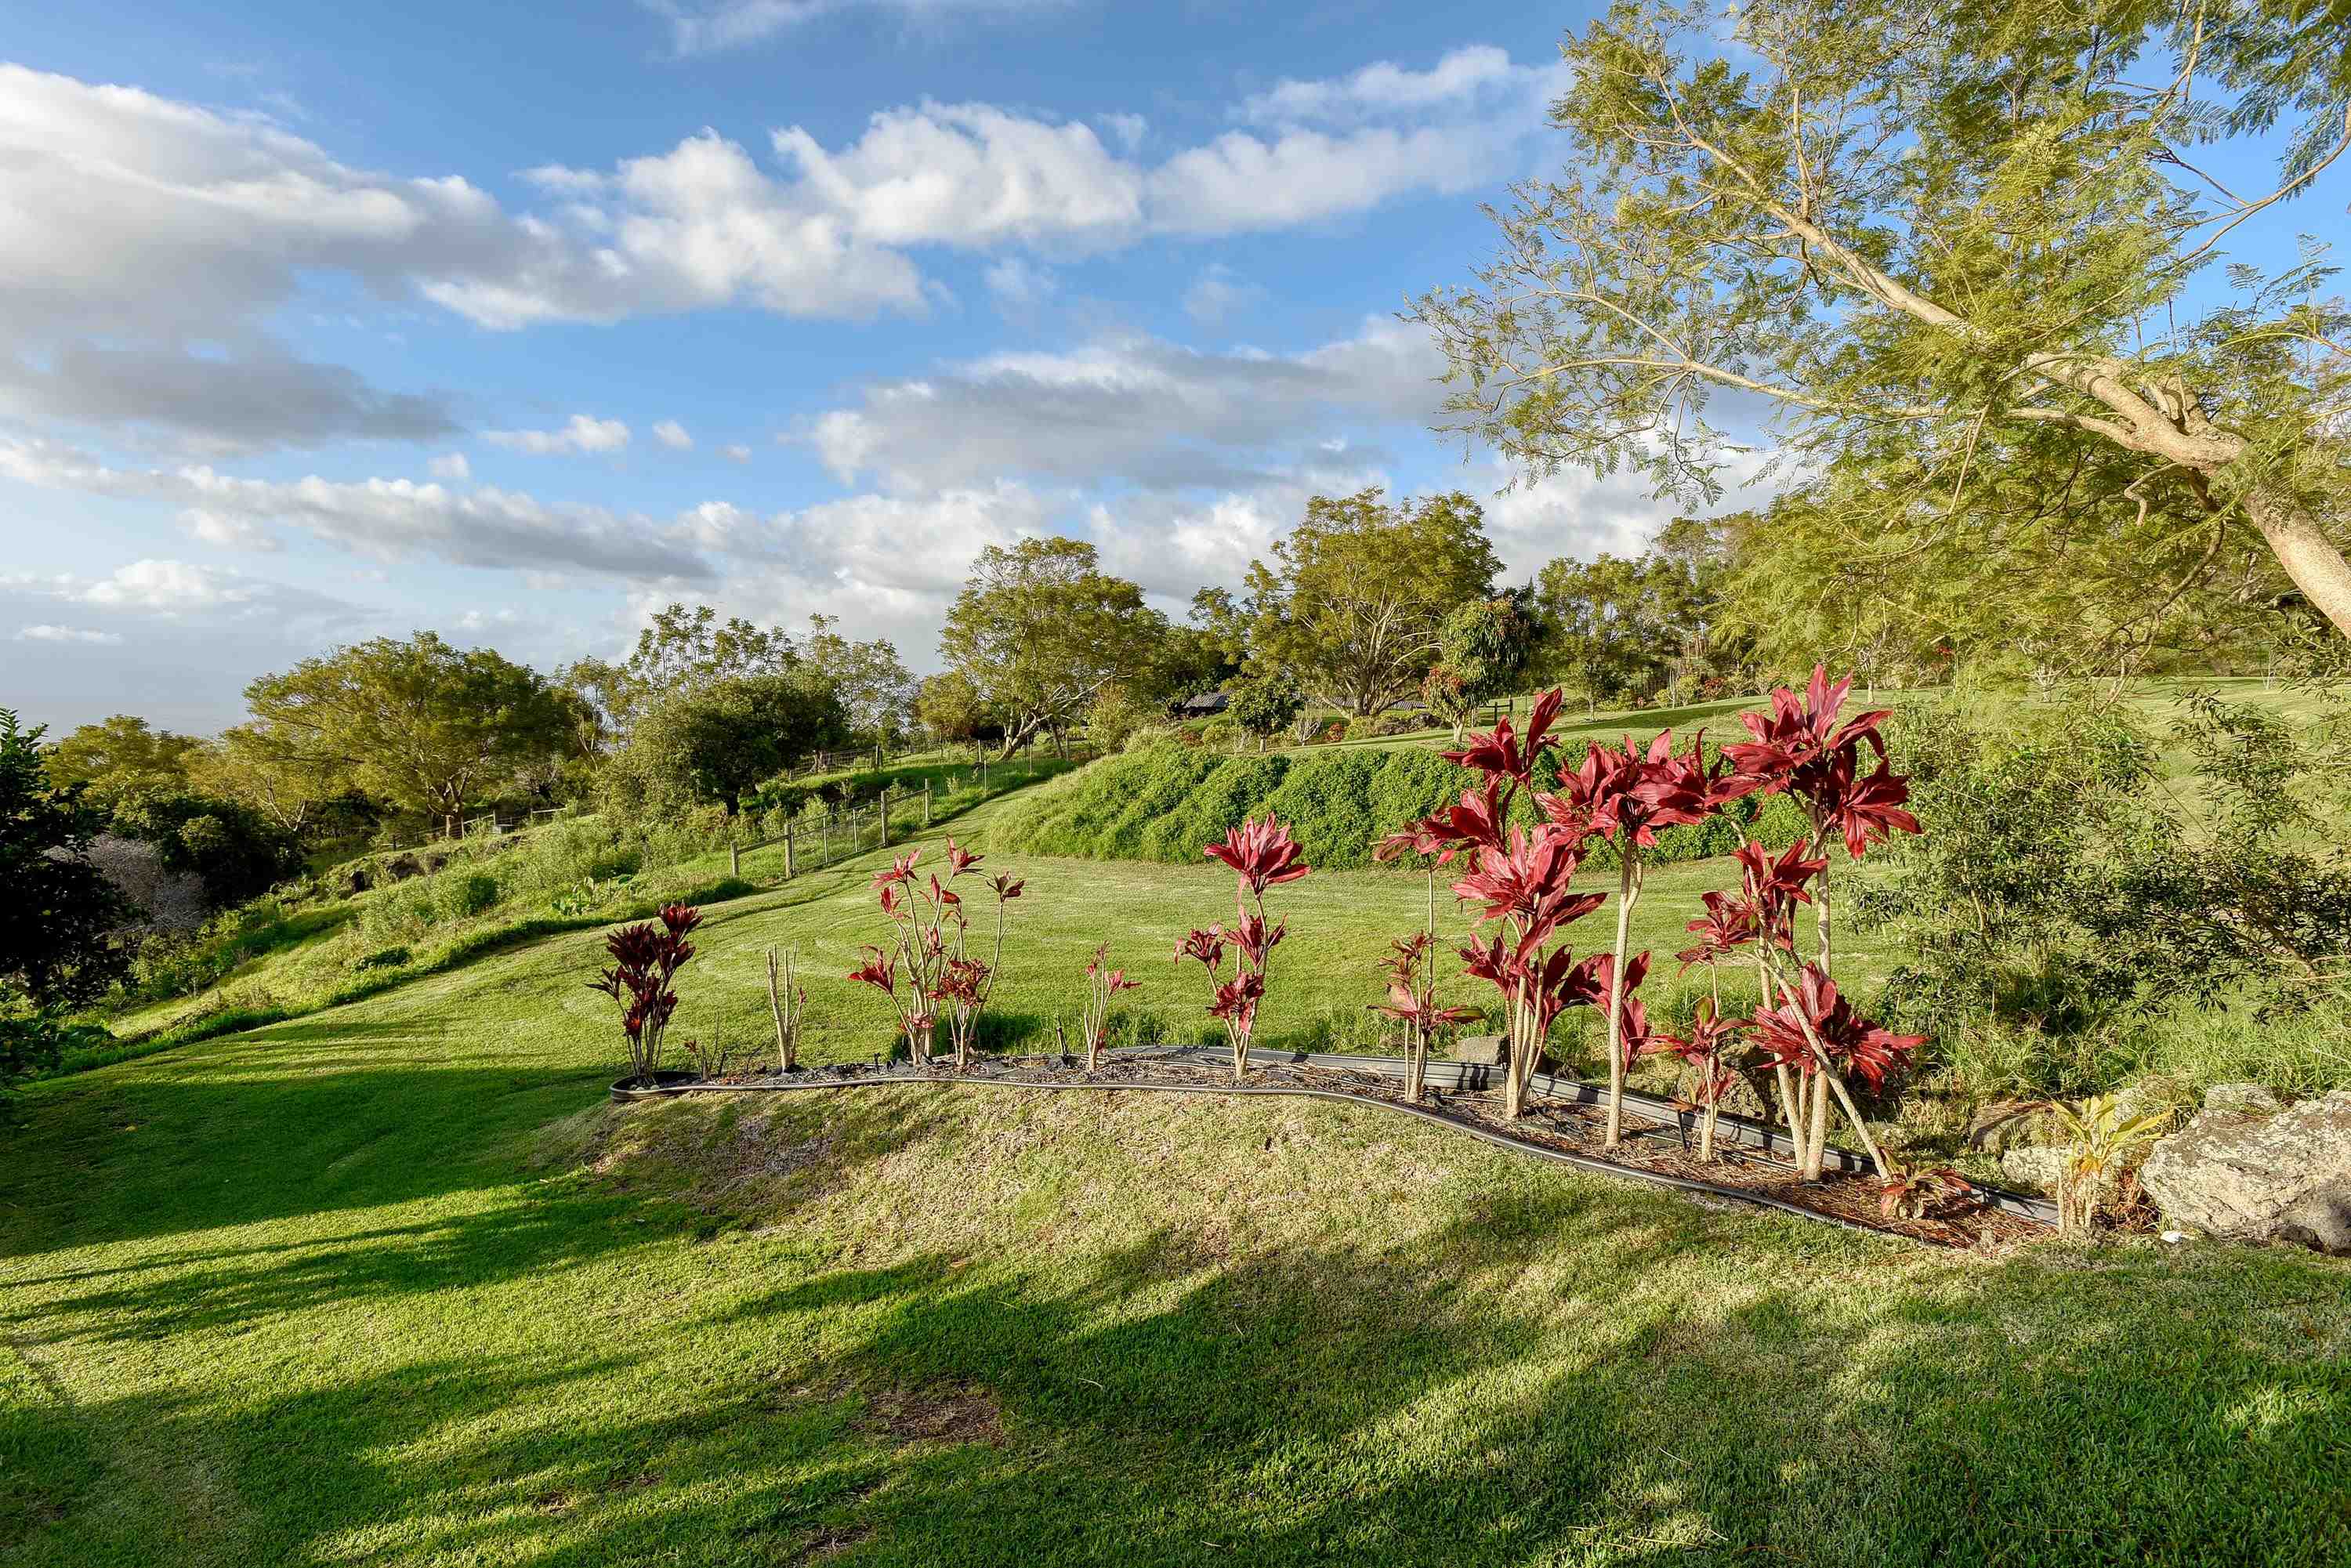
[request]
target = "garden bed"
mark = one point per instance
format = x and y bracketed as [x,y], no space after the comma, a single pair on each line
[1564,1125]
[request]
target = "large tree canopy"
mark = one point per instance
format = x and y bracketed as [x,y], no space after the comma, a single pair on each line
[58,908]
[1040,628]
[121,755]
[1943,225]
[424,725]
[1352,603]
[715,743]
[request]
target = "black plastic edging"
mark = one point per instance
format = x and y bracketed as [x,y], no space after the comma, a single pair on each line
[1484,1135]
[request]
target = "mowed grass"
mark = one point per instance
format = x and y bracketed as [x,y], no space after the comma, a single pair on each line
[389,1284]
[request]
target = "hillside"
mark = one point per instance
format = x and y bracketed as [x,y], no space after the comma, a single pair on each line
[391,1284]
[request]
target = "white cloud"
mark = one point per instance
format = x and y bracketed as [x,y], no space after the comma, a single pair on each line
[738,451]
[450,466]
[45,633]
[1217,293]
[389,520]
[228,532]
[736,23]
[1139,410]
[583,433]
[1479,72]
[168,587]
[672,434]
[151,225]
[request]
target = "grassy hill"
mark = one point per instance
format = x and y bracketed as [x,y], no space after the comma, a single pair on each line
[389,1284]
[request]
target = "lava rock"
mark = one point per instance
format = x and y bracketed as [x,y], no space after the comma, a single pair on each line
[1483,1049]
[2259,1178]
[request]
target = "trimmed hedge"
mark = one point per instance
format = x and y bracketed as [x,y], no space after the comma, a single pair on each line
[1163,802]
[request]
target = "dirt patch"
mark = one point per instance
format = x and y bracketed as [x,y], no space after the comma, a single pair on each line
[933,1412]
[832,1543]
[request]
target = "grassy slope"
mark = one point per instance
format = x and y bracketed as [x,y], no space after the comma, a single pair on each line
[340,1289]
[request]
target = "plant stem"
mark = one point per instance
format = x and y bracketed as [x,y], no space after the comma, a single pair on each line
[1627,890]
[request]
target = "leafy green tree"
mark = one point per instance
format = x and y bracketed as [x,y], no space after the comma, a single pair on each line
[286,773]
[1040,628]
[1928,225]
[1600,638]
[1482,648]
[875,688]
[120,755]
[952,706]
[55,949]
[715,743]
[234,849]
[1264,705]
[425,726]
[1352,603]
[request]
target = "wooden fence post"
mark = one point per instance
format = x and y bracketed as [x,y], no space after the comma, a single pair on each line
[824,857]
[790,870]
[926,802]
[733,854]
[882,817]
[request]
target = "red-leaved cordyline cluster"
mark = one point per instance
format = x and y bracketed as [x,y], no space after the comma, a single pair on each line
[929,927]
[646,958]
[1262,855]
[1519,877]
[1103,983]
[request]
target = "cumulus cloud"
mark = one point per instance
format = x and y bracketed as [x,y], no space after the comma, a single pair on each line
[45,633]
[389,520]
[228,532]
[738,452]
[450,466]
[674,436]
[1139,410]
[583,433]
[154,226]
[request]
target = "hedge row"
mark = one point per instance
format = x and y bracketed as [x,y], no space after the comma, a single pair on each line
[1163,803]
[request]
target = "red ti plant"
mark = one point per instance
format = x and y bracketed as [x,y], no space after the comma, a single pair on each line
[929,930]
[1103,983]
[1262,854]
[1817,1032]
[1802,746]
[646,958]
[1518,878]
[1625,795]
[1705,1051]
[1411,969]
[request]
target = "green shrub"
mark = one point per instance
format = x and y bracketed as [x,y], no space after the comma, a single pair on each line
[383,959]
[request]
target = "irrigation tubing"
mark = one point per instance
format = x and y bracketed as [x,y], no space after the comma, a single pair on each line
[1559,1157]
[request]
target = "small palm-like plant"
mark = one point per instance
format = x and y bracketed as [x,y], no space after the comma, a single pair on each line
[2101,1142]
[646,958]
[1262,854]
[930,928]
[1411,969]
[1916,1192]
[1102,984]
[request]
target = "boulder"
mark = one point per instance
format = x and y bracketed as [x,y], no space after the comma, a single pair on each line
[2036,1167]
[2240,1100]
[2284,1176]
[1483,1049]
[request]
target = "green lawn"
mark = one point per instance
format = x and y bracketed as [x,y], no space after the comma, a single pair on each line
[387,1284]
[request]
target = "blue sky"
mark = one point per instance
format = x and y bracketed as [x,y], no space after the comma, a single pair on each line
[323,323]
[519,326]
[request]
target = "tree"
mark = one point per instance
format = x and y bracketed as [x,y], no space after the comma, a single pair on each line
[1600,638]
[1481,647]
[120,755]
[235,850]
[717,742]
[422,724]
[873,684]
[1040,629]
[681,649]
[1352,603]
[952,706]
[1930,224]
[1264,705]
[285,772]
[55,950]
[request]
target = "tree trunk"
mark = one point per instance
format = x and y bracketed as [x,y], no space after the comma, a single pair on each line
[2310,558]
